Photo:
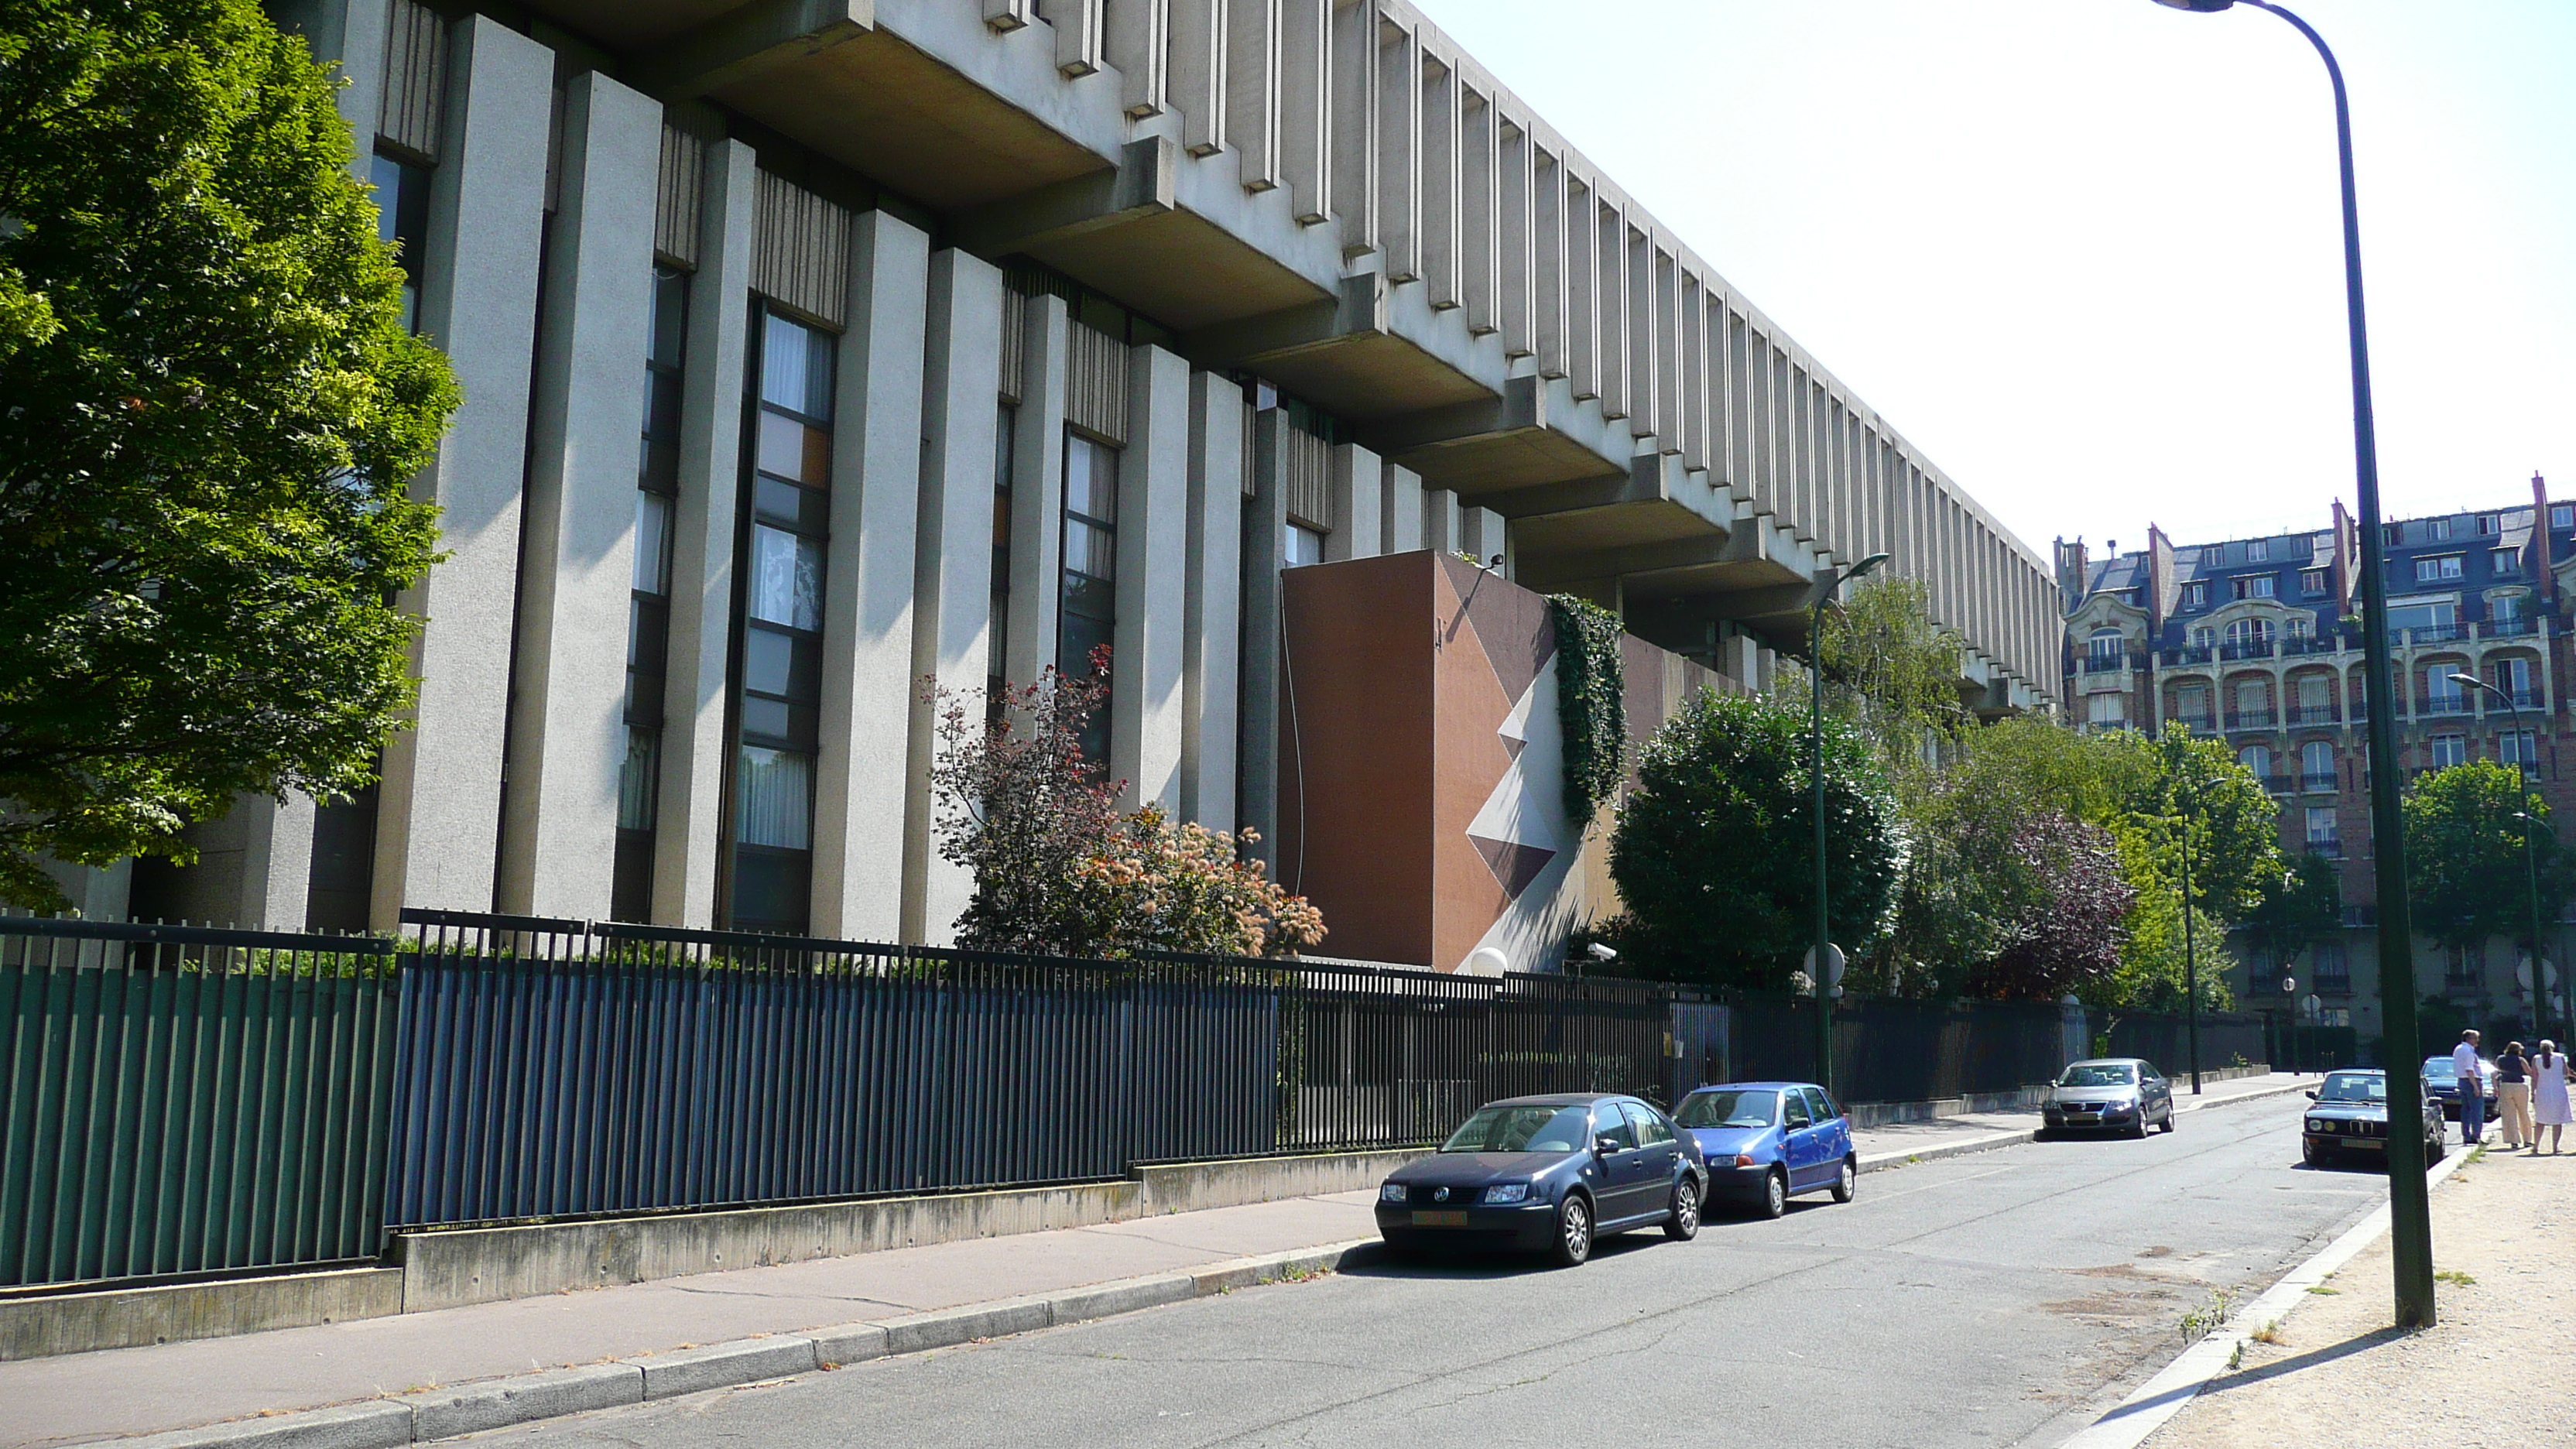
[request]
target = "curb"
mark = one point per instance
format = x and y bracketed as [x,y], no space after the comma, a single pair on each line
[420,1417]
[1881,1160]
[2160,1398]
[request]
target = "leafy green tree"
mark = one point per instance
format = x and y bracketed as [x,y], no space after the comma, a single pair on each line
[1893,673]
[1714,847]
[2304,907]
[2464,862]
[2157,956]
[212,413]
[2192,792]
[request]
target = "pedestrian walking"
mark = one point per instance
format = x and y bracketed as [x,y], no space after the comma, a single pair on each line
[2549,1077]
[2513,1097]
[2472,1088]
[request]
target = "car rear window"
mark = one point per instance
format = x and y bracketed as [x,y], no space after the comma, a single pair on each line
[1730,1107]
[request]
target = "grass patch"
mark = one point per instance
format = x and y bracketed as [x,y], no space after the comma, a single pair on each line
[2454,1277]
[2268,1333]
[2325,1291]
[2197,1324]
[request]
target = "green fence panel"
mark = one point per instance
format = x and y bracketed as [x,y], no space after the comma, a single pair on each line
[185,1100]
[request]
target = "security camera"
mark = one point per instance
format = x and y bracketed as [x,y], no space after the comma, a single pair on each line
[1599,952]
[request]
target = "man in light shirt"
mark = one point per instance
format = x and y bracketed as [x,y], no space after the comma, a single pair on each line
[2472,1089]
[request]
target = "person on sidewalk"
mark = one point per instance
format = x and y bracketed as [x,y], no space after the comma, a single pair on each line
[2472,1089]
[2513,1097]
[2549,1075]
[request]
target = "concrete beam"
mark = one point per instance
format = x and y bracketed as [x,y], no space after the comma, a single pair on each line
[746,43]
[1651,558]
[1139,186]
[1643,484]
[1522,406]
[1360,310]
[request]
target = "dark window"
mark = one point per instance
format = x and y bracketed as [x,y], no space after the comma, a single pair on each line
[997,639]
[648,632]
[785,516]
[402,219]
[1608,1121]
[1649,1127]
[1799,1115]
[1088,621]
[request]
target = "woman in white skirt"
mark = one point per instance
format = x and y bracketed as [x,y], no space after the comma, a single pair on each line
[2550,1074]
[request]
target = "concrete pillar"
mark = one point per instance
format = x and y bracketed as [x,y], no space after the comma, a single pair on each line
[1037,493]
[1265,514]
[1399,508]
[1357,483]
[1146,703]
[689,840]
[1481,532]
[859,786]
[1213,602]
[952,591]
[348,36]
[98,892]
[1252,91]
[253,870]
[438,820]
[577,546]
[1442,529]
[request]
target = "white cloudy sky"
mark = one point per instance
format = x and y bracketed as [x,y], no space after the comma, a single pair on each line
[2085,253]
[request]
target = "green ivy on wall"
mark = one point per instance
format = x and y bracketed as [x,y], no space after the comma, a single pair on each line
[1591,703]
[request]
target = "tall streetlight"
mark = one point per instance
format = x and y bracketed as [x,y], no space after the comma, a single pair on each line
[2409,1211]
[1816,967]
[2190,955]
[2530,856]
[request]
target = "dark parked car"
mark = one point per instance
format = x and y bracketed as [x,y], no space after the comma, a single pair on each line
[2351,1115]
[1551,1173]
[1767,1142]
[2442,1084]
[2111,1094]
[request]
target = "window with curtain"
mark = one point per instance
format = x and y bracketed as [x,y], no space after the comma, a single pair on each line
[786,512]
[1087,618]
[2316,761]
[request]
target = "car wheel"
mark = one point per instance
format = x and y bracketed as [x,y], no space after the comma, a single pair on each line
[1775,1194]
[2170,1114]
[1848,1184]
[2138,1129]
[2435,1149]
[1683,1225]
[1573,1230]
[2314,1155]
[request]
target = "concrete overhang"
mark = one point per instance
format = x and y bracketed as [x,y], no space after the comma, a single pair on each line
[1342,354]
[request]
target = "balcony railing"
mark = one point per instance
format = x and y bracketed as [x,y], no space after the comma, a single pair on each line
[2312,714]
[2524,698]
[2336,985]
[2250,719]
[2280,784]
[2105,663]
[2436,634]
[2317,644]
[2197,723]
[2444,706]
[2245,649]
[2508,628]
[2331,847]
[2320,780]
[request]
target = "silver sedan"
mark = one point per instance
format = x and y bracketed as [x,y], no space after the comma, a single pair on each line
[2110,1094]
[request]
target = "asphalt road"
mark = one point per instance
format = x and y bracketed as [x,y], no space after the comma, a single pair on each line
[1995,1299]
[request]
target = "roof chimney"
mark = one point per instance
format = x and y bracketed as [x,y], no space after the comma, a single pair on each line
[2544,546]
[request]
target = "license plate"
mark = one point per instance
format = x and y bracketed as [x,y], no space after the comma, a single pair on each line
[1450,1219]
[2361,1142]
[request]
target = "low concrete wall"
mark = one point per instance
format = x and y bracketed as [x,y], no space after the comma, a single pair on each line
[2020,1099]
[36,1327]
[1186,1187]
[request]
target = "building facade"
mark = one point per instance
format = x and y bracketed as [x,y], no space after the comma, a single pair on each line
[810,352]
[2257,641]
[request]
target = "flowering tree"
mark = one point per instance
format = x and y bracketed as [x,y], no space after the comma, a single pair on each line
[1059,870]
[2065,933]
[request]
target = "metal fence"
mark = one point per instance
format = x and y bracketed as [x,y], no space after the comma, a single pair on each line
[2227,1038]
[555,1068]
[185,1100]
[1896,1050]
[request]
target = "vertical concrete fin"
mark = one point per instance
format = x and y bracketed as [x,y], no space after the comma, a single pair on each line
[1306,108]
[859,784]
[1354,481]
[1252,90]
[1145,682]
[1213,602]
[1198,73]
[1354,66]
[1265,514]
[1400,508]
[1037,491]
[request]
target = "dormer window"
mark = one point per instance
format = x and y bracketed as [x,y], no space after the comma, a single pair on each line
[2486,523]
[2258,550]
[2441,529]
[2195,596]
[2438,569]
[2253,586]
[2505,561]
[2312,583]
[2562,515]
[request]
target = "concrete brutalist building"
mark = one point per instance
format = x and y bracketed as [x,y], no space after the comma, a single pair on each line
[813,347]
[2258,641]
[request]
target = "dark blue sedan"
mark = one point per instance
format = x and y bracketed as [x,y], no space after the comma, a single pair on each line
[1551,1173]
[1767,1142]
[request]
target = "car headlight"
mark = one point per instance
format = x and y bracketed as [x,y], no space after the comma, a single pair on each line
[2316,1124]
[1391,1192]
[1503,1192]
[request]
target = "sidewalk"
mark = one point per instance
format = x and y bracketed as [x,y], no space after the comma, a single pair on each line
[2494,1369]
[83,1397]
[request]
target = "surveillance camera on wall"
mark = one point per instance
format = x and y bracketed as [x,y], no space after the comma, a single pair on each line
[1599,952]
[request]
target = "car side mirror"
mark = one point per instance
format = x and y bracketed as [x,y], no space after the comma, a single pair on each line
[1604,1146]
[2312,1094]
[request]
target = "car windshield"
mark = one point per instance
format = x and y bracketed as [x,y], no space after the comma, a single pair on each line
[2354,1087]
[1522,1129]
[1729,1108]
[2098,1074]
[2441,1067]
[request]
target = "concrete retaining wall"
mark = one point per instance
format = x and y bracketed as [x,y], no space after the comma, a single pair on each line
[2020,1099]
[451,1268]
[36,1327]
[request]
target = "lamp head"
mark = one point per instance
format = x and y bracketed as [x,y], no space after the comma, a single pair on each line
[2206,7]
[2459,677]
[1865,565]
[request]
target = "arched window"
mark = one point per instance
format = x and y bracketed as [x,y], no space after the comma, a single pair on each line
[2105,646]
[2257,758]
[2316,763]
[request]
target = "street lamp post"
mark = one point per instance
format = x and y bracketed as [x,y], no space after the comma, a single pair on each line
[1816,968]
[2190,954]
[2409,1209]
[2530,856]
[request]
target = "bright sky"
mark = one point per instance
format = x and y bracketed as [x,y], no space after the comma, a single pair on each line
[2086,253]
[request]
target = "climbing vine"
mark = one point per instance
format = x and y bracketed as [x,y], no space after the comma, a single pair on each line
[1591,703]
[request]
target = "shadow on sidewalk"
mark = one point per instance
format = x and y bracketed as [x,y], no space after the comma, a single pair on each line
[1375,1260]
[2313,1358]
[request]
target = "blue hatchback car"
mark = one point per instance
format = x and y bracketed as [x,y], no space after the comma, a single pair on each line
[1767,1142]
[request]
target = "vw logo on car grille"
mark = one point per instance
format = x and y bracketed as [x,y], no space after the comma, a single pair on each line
[1440,1194]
